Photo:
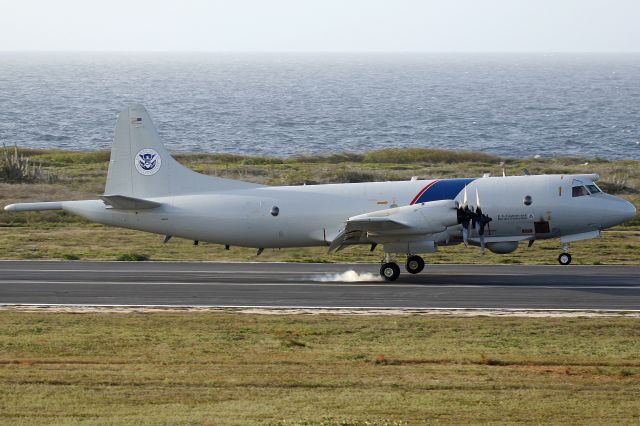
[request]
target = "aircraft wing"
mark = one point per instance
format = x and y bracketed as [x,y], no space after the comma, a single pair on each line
[356,231]
[416,219]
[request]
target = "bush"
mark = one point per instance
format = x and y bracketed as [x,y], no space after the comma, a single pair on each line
[341,157]
[427,155]
[355,176]
[132,257]
[617,184]
[15,167]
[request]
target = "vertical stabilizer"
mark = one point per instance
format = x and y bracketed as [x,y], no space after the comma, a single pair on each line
[140,165]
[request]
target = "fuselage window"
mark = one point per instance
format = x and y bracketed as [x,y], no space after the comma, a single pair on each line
[593,189]
[579,191]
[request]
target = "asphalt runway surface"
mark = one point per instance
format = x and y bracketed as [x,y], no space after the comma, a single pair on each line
[318,285]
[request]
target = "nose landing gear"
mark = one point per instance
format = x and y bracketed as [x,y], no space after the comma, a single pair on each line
[565,258]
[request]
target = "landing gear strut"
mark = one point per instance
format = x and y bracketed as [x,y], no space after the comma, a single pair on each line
[415,264]
[565,258]
[389,270]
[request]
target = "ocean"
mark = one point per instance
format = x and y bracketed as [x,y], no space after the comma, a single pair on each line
[512,105]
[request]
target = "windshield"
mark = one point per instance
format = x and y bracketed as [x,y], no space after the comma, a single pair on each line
[579,191]
[593,188]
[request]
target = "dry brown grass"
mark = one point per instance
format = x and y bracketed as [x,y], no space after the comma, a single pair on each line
[223,368]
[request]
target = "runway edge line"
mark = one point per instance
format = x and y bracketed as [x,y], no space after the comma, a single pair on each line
[315,310]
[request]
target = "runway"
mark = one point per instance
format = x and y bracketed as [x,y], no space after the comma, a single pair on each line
[315,285]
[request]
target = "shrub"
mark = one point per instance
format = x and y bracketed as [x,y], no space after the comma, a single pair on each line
[617,184]
[427,155]
[132,257]
[341,157]
[16,167]
[355,176]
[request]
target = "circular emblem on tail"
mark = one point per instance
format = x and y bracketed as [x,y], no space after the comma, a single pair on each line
[147,162]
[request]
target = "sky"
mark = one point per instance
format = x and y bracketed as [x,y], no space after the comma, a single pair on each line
[321,25]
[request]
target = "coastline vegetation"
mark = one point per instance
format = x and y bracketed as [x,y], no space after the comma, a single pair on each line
[68,175]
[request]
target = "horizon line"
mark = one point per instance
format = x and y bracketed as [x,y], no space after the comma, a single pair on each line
[335,52]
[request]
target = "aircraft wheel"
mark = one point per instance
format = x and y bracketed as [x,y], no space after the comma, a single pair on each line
[390,271]
[564,259]
[414,265]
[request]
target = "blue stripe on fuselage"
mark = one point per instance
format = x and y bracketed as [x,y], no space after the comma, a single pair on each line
[446,189]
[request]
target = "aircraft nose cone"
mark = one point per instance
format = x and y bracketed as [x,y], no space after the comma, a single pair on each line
[628,211]
[620,211]
[615,211]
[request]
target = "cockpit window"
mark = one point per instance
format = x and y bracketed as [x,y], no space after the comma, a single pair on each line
[579,191]
[593,188]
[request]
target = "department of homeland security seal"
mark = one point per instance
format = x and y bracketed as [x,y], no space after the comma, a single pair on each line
[147,162]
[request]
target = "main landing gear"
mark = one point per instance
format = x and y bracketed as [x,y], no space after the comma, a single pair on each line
[390,270]
[415,264]
[565,257]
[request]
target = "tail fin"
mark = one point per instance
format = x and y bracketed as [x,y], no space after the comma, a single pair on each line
[140,165]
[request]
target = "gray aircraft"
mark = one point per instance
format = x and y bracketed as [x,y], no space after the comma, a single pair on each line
[148,190]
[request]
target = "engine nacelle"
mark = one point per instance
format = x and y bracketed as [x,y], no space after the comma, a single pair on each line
[424,218]
[503,247]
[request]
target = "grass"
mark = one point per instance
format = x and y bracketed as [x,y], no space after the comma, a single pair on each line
[226,368]
[81,175]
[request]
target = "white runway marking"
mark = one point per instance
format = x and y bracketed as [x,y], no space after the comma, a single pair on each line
[325,284]
[314,310]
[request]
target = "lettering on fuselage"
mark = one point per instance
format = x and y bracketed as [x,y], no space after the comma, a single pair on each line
[515,217]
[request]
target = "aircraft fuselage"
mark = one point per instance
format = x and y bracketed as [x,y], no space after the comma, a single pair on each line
[313,215]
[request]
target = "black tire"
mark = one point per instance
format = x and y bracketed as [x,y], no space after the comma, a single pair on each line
[390,271]
[564,259]
[414,265]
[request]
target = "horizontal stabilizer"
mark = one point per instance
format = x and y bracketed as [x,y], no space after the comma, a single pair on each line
[26,207]
[123,202]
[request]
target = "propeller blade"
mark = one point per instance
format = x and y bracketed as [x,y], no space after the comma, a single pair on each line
[465,201]
[477,198]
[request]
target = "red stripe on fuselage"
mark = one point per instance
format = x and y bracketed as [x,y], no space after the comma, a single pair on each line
[423,191]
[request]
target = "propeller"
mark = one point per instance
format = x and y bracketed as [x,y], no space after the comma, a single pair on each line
[473,219]
[465,202]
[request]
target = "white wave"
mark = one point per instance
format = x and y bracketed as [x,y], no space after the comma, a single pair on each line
[349,276]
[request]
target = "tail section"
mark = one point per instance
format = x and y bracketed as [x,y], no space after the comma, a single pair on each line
[141,167]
